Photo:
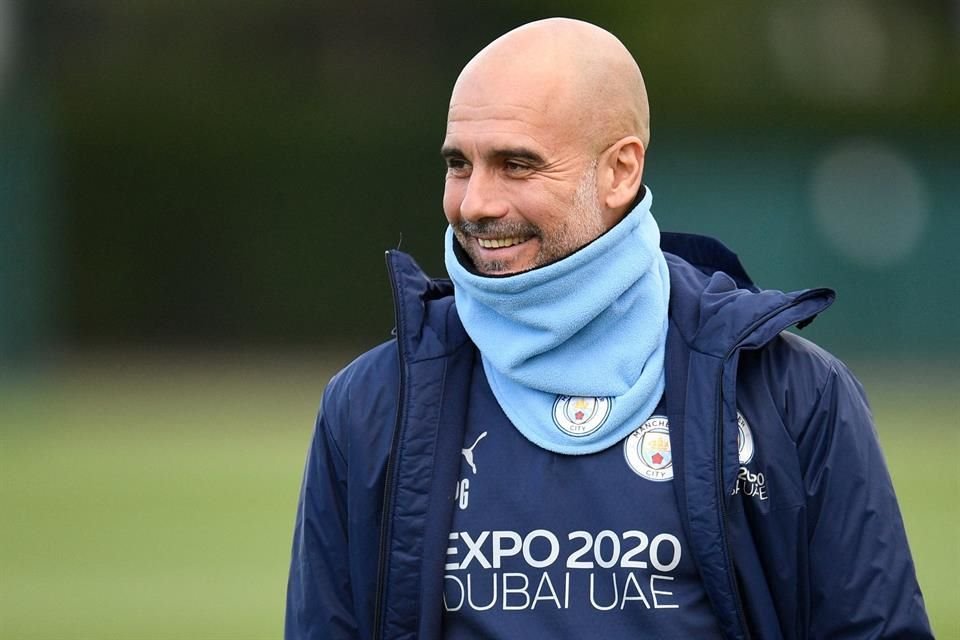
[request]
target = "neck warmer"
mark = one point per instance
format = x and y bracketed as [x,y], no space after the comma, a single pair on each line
[573,350]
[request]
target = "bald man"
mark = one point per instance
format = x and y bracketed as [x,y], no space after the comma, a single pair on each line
[592,428]
[568,99]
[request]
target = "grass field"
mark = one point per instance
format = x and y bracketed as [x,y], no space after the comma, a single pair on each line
[153,497]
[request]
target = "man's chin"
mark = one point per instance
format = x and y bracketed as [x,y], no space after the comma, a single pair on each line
[492,266]
[510,267]
[496,268]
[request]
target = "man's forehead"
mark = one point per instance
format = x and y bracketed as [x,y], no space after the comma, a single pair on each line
[488,128]
[465,110]
[508,92]
[490,113]
[492,117]
[494,143]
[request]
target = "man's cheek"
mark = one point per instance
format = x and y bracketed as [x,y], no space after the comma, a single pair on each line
[452,198]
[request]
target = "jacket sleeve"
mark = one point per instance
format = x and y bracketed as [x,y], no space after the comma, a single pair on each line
[862,577]
[319,600]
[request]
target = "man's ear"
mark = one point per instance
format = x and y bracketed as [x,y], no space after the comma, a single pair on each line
[623,171]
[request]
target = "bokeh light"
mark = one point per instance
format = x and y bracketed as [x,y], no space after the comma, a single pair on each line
[869,203]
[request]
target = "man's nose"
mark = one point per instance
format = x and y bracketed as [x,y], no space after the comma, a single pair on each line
[483,198]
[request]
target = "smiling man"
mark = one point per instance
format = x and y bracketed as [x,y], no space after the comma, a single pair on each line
[592,428]
[530,146]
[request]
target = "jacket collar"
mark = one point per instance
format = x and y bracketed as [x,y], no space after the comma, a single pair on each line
[427,325]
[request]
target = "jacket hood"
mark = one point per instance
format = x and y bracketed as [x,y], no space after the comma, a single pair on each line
[716,306]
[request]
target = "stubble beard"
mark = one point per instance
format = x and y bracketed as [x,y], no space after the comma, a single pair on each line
[583,226]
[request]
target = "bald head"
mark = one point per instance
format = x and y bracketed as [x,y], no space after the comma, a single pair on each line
[545,143]
[576,73]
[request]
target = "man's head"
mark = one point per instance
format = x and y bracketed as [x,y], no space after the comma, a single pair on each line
[545,143]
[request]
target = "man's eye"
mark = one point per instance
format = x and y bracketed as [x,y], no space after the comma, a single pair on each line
[457,166]
[515,167]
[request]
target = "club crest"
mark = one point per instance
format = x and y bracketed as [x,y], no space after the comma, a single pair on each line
[647,450]
[744,440]
[580,415]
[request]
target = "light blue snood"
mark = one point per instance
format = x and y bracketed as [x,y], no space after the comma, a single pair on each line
[573,350]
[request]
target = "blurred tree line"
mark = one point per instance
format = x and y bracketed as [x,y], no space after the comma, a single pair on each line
[231,172]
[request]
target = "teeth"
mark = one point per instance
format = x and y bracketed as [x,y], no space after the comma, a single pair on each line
[498,243]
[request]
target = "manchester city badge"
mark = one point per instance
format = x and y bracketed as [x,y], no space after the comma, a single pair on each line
[647,450]
[580,415]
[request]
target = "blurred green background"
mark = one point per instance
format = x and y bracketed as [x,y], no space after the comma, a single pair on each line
[195,198]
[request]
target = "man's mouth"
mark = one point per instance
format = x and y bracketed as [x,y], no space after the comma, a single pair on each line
[500,243]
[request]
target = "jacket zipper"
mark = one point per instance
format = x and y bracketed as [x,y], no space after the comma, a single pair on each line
[741,615]
[379,604]
[721,490]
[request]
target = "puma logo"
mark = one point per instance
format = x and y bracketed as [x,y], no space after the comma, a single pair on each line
[468,453]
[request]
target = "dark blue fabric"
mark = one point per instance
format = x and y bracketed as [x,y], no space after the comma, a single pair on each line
[643,585]
[823,556]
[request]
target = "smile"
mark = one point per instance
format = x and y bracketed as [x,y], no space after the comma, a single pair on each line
[499,243]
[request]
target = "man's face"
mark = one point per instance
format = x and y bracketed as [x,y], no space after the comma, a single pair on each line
[521,188]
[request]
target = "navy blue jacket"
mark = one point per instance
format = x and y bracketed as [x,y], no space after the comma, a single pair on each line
[825,556]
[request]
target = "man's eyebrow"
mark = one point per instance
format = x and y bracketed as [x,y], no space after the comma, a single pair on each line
[518,153]
[451,153]
[514,153]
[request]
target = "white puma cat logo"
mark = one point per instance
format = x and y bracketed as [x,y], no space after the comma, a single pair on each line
[468,453]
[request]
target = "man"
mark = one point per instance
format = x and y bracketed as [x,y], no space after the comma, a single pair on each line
[593,430]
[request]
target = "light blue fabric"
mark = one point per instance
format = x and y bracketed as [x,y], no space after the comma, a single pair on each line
[573,350]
